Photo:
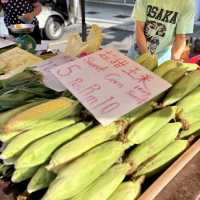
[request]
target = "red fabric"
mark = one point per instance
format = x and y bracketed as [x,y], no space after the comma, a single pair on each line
[195,59]
[83,54]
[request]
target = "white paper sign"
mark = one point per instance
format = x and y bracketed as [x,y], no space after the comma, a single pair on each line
[5,43]
[48,78]
[109,84]
[42,47]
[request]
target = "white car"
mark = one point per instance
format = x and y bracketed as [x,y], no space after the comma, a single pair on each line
[54,17]
[51,23]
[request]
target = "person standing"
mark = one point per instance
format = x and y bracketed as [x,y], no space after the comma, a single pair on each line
[22,11]
[161,28]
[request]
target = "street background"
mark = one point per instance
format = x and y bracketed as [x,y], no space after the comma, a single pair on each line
[115,20]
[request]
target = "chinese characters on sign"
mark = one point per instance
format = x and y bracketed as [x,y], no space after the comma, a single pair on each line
[109,84]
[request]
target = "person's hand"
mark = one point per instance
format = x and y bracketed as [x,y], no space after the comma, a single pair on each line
[180,60]
[28,16]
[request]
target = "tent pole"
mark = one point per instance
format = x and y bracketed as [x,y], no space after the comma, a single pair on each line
[84,26]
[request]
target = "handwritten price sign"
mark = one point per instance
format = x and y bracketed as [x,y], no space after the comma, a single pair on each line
[48,78]
[109,84]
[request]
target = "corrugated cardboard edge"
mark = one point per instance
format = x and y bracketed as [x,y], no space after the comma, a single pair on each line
[170,173]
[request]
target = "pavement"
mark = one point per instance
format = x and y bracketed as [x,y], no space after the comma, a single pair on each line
[115,21]
[107,15]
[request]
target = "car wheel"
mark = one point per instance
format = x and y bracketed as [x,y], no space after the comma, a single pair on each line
[54,28]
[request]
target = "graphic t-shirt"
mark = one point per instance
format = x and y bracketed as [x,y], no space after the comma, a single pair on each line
[13,9]
[163,20]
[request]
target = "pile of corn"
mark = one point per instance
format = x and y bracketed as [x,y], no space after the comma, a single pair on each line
[53,147]
[23,88]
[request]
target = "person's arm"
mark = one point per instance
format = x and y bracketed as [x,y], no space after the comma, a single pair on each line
[140,37]
[178,46]
[36,11]
[184,26]
[139,16]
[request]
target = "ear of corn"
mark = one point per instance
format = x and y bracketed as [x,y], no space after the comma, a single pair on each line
[76,176]
[32,155]
[140,59]
[40,180]
[146,127]
[151,62]
[148,60]
[127,191]
[21,78]
[191,101]
[182,88]
[190,118]
[5,116]
[7,137]
[106,184]
[13,99]
[174,75]
[4,171]
[85,142]
[23,174]
[2,146]
[42,114]
[154,144]
[21,141]
[139,112]
[161,159]
[191,131]
[165,67]
[188,66]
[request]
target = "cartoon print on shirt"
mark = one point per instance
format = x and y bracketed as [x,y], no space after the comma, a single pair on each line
[154,31]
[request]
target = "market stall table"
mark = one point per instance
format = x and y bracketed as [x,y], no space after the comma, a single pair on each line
[181,181]
[186,185]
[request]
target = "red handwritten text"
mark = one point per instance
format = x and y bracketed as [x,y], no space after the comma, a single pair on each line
[113,79]
[68,70]
[93,63]
[107,105]
[139,94]
[103,105]
[76,83]
[91,89]
[113,59]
